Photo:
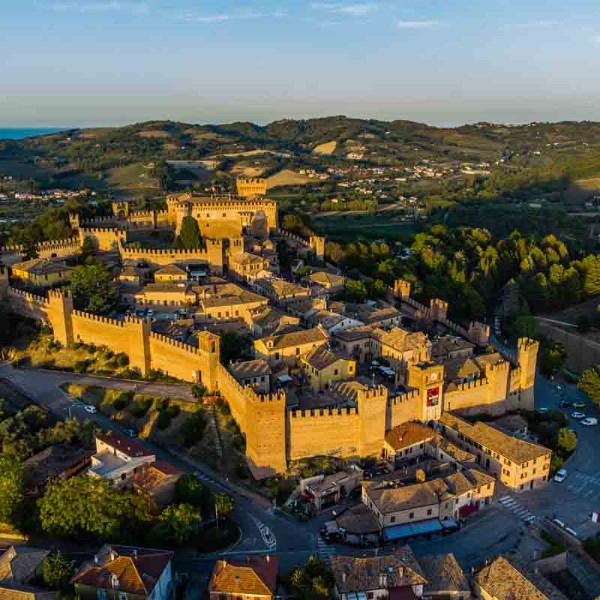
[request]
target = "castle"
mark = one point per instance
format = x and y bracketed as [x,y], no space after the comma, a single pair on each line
[352,416]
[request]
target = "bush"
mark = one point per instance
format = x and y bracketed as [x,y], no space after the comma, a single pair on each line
[162,404]
[123,400]
[141,406]
[193,428]
[81,366]
[122,360]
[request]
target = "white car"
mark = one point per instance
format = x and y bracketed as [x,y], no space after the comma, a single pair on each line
[578,415]
[590,421]
[560,476]
[89,408]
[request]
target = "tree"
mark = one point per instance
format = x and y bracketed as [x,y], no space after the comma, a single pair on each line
[179,523]
[355,291]
[57,570]
[567,440]
[190,491]
[552,358]
[224,506]
[92,288]
[189,237]
[11,488]
[235,347]
[590,383]
[87,248]
[83,507]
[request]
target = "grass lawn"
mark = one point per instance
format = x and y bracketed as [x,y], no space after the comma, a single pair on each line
[350,227]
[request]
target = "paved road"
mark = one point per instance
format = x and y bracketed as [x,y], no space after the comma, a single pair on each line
[294,541]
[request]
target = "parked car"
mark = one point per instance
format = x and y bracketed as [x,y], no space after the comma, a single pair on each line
[590,421]
[579,404]
[560,476]
[89,408]
[578,415]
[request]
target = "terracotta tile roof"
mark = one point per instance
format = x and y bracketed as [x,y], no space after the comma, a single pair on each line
[444,575]
[504,580]
[516,450]
[133,570]
[320,358]
[296,338]
[170,270]
[253,575]
[250,368]
[355,575]
[402,340]
[461,368]
[326,279]
[128,446]
[428,493]
[355,333]
[41,266]
[19,563]
[454,451]
[379,314]
[408,434]
[12,591]
[359,519]
[448,344]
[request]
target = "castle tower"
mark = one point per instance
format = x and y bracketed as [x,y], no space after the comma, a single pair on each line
[210,347]
[372,413]
[266,426]
[438,309]
[74,221]
[317,243]
[402,289]
[214,255]
[498,376]
[250,187]
[428,378]
[60,315]
[479,333]
[527,351]
[138,334]
[121,209]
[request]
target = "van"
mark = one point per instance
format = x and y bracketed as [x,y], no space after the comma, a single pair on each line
[571,531]
[559,523]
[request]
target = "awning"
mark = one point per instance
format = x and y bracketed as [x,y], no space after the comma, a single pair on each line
[398,532]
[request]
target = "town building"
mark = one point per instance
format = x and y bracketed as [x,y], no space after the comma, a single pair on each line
[118,458]
[126,572]
[253,373]
[387,577]
[506,579]
[322,368]
[42,272]
[21,567]
[445,578]
[326,490]
[250,578]
[170,274]
[518,464]
[289,347]
[433,505]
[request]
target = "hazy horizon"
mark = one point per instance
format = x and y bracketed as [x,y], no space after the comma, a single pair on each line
[110,62]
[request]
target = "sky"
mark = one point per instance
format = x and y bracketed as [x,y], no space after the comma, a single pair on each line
[444,62]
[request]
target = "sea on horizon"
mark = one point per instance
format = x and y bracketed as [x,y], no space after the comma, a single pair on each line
[19,133]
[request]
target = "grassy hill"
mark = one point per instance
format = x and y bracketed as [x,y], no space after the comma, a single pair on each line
[120,160]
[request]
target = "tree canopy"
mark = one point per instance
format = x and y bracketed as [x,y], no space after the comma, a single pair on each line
[92,288]
[189,237]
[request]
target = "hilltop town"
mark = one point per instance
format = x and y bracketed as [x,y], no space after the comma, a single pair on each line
[416,425]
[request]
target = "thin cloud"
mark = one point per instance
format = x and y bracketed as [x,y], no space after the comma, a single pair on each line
[417,24]
[529,25]
[358,9]
[232,16]
[96,7]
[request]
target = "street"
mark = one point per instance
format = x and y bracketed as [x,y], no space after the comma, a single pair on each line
[496,529]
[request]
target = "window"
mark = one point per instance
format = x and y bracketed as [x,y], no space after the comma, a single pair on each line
[297,351]
[122,595]
[411,515]
[392,519]
[429,511]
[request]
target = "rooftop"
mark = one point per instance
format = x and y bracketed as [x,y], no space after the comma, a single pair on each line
[128,569]
[516,450]
[41,266]
[252,575]
[504,580]
[403,340]
[19,563]
[127,446]
[408,434]
[295,338]
[249,368]
[355,575]
[320,358]
[444,574]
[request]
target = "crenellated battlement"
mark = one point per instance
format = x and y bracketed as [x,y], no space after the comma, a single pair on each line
[34,298]
[319,413]
[470,385]
[93,230]
[97,220]
[405,397]
[176,344]
[98,318]
[177,252]
[277,397]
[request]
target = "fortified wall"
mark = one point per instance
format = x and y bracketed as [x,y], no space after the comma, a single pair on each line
[9,255]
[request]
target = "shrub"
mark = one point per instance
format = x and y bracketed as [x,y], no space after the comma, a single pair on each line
[173,410]
[141,406]
[123,400]
[81,366]
[122,359]
[164,420]
[162,404]
[193,428]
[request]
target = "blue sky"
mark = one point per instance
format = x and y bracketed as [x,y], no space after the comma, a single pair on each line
[97,62]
